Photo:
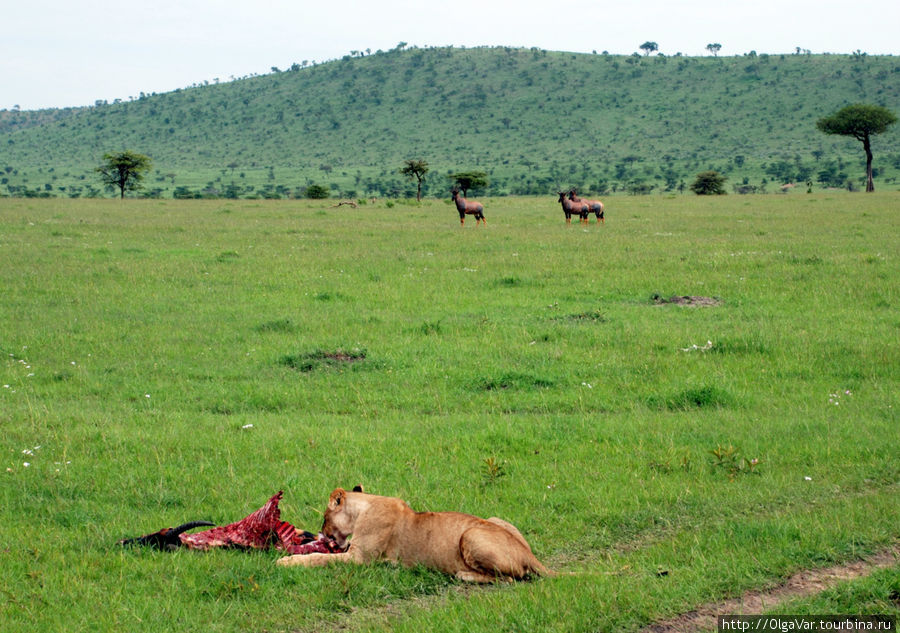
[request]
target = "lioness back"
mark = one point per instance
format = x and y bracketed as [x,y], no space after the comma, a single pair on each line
[433,539]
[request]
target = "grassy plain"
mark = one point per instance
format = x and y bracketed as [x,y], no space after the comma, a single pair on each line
[162,362]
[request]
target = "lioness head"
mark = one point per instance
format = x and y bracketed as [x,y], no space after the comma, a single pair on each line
[340,516]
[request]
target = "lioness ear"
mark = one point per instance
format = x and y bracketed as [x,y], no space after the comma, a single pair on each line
[358,488]
[337,497]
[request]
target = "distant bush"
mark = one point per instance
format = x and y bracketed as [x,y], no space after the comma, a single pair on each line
[183,193]
[709,183]
[639,188]
[318,192]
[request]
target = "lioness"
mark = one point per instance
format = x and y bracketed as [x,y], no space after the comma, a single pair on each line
[472,549]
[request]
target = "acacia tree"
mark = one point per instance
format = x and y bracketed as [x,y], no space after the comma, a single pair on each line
[124,170]
[317,192]
[649,47]
[860,121]
[714,49]
[709,183]
[466,180]
[416,168]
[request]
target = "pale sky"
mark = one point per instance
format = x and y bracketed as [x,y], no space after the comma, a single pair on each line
[58,53]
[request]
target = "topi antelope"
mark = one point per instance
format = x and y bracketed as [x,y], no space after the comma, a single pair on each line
[571,208]
[468,208]
[594,206]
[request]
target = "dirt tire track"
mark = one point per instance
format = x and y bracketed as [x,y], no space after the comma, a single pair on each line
[801,584]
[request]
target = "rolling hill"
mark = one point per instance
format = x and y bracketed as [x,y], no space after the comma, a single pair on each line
[534,120]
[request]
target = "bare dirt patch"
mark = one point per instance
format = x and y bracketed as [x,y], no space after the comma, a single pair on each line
[320,359]
[687,300]
[801,584]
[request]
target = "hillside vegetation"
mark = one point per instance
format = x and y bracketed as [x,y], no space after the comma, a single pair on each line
[533,120]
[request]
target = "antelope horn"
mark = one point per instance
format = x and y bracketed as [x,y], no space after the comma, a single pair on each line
[167,538]
[184,527]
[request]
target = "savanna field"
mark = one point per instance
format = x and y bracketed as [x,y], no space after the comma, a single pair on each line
[166,361]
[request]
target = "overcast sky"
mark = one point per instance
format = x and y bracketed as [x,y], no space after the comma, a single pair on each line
[58,53]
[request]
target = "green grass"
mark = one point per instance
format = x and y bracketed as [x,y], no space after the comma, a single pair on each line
[521,369]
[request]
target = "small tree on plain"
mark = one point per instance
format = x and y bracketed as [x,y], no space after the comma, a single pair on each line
[466,180]
[709,183]
[416,168]
[649,47]
[124,170]
[860,121]
[714,49]
[318,192]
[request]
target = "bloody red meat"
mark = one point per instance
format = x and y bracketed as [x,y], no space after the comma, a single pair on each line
[263,529]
